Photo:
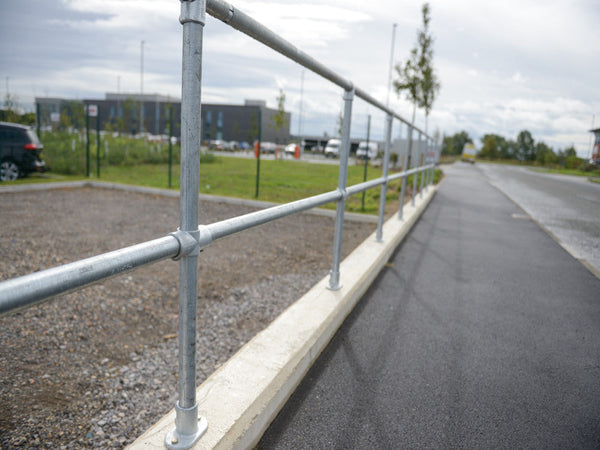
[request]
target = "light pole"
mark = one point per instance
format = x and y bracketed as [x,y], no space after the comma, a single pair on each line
[387,103]
[300,114]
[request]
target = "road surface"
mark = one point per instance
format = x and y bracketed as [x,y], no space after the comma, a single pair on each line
[568,207]
[482,332]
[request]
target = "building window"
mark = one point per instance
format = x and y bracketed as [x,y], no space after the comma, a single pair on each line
[207,125]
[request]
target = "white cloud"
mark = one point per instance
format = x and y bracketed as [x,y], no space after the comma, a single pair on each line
[504,65]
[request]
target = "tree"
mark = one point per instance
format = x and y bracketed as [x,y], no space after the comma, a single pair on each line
[430,84]
[340,124]
[544,154]
[489,149]
[408,80]
[525,146]
[280,119]
[417,76]
[453,145]
[8,113]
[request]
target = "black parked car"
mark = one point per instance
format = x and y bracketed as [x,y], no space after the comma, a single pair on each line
[20,151]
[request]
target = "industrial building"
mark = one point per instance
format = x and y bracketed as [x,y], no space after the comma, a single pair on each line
[150,113]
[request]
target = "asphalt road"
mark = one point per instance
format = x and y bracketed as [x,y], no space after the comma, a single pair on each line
[568,207]
[482,332]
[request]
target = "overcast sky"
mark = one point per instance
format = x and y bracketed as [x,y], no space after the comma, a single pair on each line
[504,66]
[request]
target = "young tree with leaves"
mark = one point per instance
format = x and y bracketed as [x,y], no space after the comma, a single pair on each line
[279,119]
[417,76]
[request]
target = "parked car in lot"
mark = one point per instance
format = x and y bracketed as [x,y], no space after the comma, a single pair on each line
[367,150]
[332,149]
[20,151]
[268,147]
[219,144]
[290,149]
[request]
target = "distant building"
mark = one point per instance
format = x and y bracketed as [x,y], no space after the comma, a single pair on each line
[242,123]
[135,113]
[49,109]
[149,113]
[596,149]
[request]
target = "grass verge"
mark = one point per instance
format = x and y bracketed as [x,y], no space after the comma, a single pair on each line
[280,181]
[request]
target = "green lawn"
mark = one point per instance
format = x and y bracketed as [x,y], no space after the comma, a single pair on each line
[280,181]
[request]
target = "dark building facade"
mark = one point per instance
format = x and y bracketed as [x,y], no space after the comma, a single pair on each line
[242,123]
[150,113]
[134,113]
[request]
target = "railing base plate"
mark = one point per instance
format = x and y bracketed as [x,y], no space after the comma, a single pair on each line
[176,441]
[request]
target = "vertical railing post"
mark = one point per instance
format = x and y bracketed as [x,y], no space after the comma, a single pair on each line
[423,157]
[405,168]
[386,166]
[426,162]
[366,160]
[431,161]
[188,426]
[334,276]
[415,163]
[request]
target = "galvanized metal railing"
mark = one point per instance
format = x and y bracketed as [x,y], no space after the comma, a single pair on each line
[185,244]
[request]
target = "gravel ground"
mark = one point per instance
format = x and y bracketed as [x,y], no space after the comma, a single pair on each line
[97,367]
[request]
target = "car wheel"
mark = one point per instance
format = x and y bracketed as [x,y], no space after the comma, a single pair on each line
[9,171]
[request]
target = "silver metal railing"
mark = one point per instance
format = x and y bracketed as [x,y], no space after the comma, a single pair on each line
[185,244]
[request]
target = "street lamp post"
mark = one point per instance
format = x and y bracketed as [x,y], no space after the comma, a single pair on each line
[387,103]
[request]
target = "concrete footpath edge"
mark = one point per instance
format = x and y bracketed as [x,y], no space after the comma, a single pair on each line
[244,395]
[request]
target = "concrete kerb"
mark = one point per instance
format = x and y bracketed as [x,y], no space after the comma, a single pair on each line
[355,217]
[244,395]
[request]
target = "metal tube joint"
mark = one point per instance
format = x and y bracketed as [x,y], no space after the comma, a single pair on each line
[191,243]
[193,11]
[349,92]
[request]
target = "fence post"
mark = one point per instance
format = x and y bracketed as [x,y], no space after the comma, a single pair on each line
[188,426]
[87,141]
[334,276]
[170,144]
[405,168]
[386,166]
[98,143]
[426,162]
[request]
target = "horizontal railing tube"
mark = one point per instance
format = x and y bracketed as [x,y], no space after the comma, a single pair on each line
[237,19]
[28,290]
[405,173]
[236,224]
[34,288]
[358,188]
